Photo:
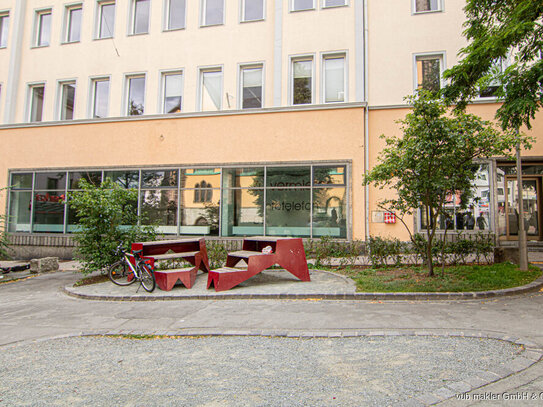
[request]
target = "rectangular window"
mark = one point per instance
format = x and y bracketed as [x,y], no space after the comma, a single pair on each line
[135,95]
[212,12]
[100,98]
[106,20]
[4,26]
[302,82]
[43,28]
[491,84]
[298,5]
[426,5]
[140,17]
[334,3]
[36,103]
[73,23]
[211,90]
[67,100]
[173,90]
[251,87]
[176,14]
[334,79]
[428,72]
[253,10]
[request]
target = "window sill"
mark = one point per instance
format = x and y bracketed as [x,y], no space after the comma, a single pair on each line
[341,5]
[210,25]
[69,42]
[102,38]
[416,13]
[167,30]
[39,46]
[301,10]
[252,21]
[137,34]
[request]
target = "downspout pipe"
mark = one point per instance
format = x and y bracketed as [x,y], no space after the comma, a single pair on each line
[366,123]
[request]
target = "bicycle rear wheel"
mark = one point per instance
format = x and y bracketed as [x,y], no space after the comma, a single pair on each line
[147,278]
[119,273]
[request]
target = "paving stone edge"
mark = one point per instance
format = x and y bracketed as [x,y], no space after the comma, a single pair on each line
[531,354]
[535,285]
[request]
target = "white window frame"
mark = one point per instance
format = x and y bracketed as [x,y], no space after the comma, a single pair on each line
[98,18]
[242,18]
[126,92]
[68,21]
[335,55]
[201,71]
[252,65]
[28,106]
[60,94]
[37,27]
[162,93]
[441,55]
[166,17]
[5,13]
[132,19]
[92,92]
[203,4]
[440,8]
[345,3]
[296,58]
[292,10]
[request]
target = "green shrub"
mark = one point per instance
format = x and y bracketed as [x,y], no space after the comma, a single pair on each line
[4,239]
[107,215]
[216,254]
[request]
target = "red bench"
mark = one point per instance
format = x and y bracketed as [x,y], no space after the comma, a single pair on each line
[193,250]
[286,252]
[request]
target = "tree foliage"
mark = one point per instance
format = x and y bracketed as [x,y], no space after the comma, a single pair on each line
[434,159]
[501,29]
[107,215]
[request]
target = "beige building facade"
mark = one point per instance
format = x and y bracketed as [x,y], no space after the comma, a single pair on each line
[231,117]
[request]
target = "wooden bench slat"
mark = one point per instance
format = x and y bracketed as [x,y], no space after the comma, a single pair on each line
[169,242]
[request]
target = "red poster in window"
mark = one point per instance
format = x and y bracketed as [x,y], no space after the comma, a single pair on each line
[390,217]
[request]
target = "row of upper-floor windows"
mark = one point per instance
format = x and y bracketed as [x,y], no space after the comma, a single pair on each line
[302,85]
[212,12]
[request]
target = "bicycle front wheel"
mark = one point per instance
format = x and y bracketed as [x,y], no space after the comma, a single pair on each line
[121,274]
[147,278]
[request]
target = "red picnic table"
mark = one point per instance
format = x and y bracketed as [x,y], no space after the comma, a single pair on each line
[287,252]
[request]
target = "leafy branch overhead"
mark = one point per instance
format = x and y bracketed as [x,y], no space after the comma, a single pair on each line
[502,30]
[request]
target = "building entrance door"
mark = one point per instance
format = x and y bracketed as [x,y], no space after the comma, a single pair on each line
[531,190]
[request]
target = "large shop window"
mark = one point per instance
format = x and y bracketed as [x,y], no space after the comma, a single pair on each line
[302,201]
[466,211]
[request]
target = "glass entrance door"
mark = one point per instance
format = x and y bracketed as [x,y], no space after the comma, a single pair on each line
[531,204]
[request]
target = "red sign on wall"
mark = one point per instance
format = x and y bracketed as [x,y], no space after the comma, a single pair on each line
[390,217]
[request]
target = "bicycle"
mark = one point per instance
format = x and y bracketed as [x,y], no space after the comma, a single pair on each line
[124,272]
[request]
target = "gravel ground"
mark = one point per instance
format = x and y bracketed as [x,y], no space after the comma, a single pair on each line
[239,371]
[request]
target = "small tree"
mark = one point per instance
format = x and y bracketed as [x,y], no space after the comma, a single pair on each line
[107,215]
[434,159]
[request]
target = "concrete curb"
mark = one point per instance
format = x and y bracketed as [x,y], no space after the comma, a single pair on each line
[531,355]
[418,296]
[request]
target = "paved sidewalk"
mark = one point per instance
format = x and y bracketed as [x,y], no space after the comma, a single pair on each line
[36,310]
